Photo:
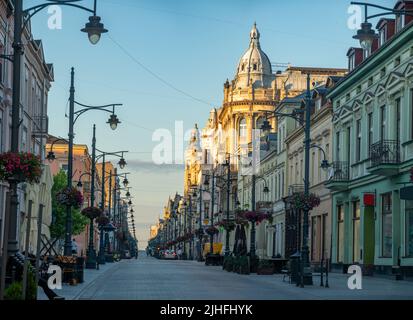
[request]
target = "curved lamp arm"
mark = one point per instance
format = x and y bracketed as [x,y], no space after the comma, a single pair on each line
[87,108]
[388,11]
[324,163]
[30,12]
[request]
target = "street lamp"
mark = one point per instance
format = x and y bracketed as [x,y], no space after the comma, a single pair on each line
[122,163]
[73,117]
[125,182]
[366,35]
[51,156]
[94,29]
[113,121]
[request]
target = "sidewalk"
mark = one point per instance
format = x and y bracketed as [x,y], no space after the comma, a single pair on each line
[90,277]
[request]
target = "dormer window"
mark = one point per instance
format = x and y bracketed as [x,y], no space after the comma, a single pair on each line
[255,67]
[352,61]
[383,35]
[243,67]
[400,22]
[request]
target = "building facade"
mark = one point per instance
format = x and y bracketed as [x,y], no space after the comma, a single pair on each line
[36,79]
[373,153]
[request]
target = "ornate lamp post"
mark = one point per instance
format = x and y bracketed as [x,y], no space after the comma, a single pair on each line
[253,208]
[73,116]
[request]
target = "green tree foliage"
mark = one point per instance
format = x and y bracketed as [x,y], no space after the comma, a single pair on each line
[57,228]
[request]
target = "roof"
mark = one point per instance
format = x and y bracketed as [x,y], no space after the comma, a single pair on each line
[315,70]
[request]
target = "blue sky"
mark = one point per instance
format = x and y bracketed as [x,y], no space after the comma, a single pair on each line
[161,57]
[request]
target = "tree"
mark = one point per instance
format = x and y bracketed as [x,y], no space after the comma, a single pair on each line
[57,229]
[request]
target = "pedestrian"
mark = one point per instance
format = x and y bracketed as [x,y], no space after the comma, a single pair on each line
[180,254]
[74,247]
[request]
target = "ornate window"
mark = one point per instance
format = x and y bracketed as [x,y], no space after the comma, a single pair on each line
[243,130]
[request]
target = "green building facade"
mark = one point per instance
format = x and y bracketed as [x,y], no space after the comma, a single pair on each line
[373,155]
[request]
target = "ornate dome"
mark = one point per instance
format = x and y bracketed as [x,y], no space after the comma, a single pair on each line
[254,66]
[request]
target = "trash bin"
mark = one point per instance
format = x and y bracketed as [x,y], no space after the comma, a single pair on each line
[295,265]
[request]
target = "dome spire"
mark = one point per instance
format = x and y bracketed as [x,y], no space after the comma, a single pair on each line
[254,67]
[255,35]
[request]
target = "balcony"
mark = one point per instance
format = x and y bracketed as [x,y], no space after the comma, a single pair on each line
[338,176]
[385,158]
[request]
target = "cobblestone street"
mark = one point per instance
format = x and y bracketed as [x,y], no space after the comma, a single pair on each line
[152,279]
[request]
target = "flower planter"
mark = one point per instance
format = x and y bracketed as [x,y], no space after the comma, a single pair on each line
[265,271]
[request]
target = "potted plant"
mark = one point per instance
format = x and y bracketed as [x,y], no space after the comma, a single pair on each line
[92,212]
[70,197]
[20,167]
[228,263]
[265,267]
[243,265]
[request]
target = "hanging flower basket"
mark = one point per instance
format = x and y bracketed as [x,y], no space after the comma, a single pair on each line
[226,225]
[255,217]
[20,167]
[92,212]
[212,231]
[70,197]
[302,202]
[102,220]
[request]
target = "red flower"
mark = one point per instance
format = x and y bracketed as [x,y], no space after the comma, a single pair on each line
[20,166]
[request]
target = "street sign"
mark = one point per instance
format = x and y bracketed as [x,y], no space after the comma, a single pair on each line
[406,193]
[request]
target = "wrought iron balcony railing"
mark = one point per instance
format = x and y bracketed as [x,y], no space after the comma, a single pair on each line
[339,172]
[385,152]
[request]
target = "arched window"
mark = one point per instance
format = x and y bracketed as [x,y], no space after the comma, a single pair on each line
[243,130]
[259,123]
